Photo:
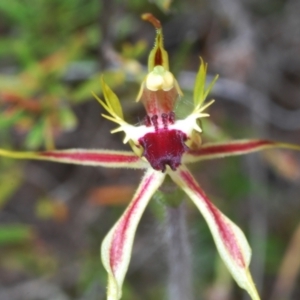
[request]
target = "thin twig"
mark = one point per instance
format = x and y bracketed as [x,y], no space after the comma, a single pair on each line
[179,254]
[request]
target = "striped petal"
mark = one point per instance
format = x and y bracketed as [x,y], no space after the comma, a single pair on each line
[104,158]
[229,239]
[238,147]
[117,245]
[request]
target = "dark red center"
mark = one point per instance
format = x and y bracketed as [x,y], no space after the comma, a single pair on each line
[164,147]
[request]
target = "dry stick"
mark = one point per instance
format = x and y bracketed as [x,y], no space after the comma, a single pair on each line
[178,254]
[289,269]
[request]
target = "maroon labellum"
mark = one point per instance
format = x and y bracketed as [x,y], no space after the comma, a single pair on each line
[163,146]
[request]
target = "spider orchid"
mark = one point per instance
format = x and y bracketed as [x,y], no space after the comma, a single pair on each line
[163,145]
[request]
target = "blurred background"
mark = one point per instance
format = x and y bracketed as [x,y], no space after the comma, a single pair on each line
[53,217]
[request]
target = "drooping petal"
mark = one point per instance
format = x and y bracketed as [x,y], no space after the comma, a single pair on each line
[117,245]
[104,158]
[230,240]
[238,147]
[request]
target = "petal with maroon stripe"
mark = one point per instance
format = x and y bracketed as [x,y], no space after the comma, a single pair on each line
[117,246]
[232,148]
[104,158]
[229,239]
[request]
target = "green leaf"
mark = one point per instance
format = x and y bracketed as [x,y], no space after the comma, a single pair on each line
[67,118]
[15,234]
[200,84]
[83,92]
[164,5]
[15,10]
[200,93]
[7,121]
[111,99]
[36,135]
[211,85]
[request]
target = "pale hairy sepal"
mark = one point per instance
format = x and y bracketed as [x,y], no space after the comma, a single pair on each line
[233,148]
[229,239]
[117,246]
[87,157]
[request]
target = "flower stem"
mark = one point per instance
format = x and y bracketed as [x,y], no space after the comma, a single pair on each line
[178,254]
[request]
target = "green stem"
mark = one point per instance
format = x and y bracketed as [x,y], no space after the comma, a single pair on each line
[179,254]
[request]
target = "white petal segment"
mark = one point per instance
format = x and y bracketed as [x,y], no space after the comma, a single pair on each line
[189,124]
[103,158]
[117,246]
[230,240]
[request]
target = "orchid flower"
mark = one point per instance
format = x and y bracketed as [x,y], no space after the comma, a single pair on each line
[163,145]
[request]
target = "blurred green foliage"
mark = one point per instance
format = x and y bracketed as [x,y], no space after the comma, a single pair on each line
[36,52]
[15,234]
[38,28]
